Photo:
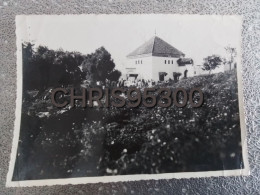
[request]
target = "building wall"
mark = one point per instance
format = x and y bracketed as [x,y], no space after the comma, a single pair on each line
[160,66]
[190,69]
[141,66]
[227,67]
[148,67]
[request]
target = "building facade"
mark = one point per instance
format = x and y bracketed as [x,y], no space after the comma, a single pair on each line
[159,61]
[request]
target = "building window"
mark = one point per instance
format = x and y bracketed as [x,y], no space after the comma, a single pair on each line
[141,61]
[165,61]
[172,61]
[169,61]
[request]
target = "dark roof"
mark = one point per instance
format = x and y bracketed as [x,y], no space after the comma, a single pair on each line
[156,47]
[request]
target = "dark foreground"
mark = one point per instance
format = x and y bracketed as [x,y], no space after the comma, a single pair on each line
[65,143]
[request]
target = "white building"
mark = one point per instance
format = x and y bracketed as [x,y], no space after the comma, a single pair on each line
[159,61]
[223,67]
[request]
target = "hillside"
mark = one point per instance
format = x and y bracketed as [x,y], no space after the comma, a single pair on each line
[88,142]
[179,139]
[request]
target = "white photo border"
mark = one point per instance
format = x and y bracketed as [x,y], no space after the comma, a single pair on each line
[20,33]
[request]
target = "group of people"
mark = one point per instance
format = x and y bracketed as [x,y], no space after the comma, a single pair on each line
[140,83]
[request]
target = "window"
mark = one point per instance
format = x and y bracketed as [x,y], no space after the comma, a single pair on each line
[141,61]
[169,61]
[165,61]
[172,61]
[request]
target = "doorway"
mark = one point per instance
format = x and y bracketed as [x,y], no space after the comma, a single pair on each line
[162,75]
[185,73]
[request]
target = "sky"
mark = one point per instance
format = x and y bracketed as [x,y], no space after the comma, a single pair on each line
[196,36]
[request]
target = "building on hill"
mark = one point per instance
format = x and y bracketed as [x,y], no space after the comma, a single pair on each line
[159,61]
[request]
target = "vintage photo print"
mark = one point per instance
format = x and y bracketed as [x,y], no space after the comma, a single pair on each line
[108,98]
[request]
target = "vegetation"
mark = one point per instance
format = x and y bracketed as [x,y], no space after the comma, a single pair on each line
[44,68]
[100,67]
[211,62]
[160,140]
[109,141]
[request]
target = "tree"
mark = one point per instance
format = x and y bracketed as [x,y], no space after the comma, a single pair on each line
[99,66]
[114,76]
[44,68]
[211,62]
[233,53]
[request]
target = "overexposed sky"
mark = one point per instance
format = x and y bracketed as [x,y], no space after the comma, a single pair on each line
[196,36]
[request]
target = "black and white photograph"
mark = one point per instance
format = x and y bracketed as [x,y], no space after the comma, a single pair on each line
[109,98]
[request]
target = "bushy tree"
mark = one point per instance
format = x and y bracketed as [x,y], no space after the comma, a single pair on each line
[44,68]
[99,66]
[114,76]
[211,62]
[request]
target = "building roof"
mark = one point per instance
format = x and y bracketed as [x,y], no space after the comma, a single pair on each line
[156,47]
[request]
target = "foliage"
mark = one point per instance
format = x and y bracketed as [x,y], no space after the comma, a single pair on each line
[43,68]
[99,66]
[114,75]
[211,62]
[110,141]
[162,140]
